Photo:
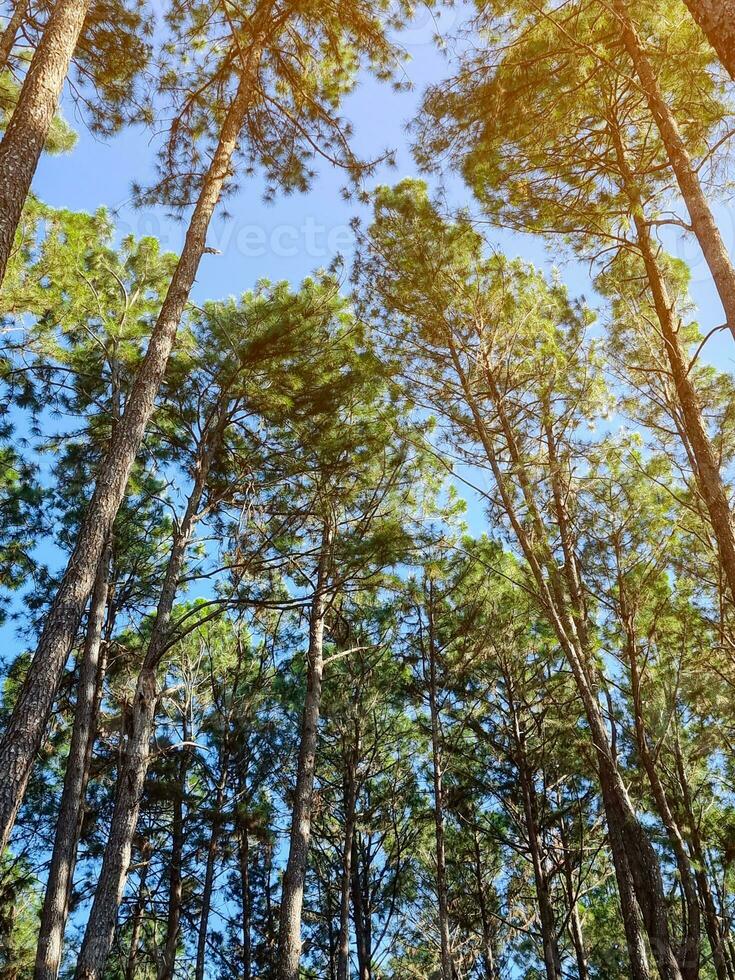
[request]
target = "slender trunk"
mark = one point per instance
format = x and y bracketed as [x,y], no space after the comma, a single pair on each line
[8,36]
[210,868]
[437,774]
[707,470]
[175,876]
[702,220]
[552,957]
[25,729]
[31,120]
[71,809]
[350,796]
[636,865]
[715,932]
[100,928]
[359,916]
[292,895]
[717,20]
[131,964]
[575,922]
[244,858]
[488,957]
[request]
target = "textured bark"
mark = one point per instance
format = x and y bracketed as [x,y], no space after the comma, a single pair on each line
[717,20]
[8,36]
[31,120]
[71,809]
[100,928]
[292,895]
[24,732]
[437,765]
[701,218]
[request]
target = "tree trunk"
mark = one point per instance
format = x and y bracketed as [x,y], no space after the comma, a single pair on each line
[702,220]
[31,120]
[690,951]
[717,20]
[131,964]
[8,36]
[707,470]
[360,916]
[244,859]
[715,932]
[210,869]
[350,796]
[575,922]
[488,957]
[292,895]
[71,810]
[100,928]
[175,874]
[437,775]
[636,865]
[552,957]
[25,729]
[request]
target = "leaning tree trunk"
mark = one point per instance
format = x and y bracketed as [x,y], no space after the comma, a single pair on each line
[292,895]
[25,730]
[71,810]
[31,120]
[717,20]
[8,36]
[131,964]
[100,928]
[702,220]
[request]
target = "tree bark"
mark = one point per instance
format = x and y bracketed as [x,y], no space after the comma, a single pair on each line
[71,810]
[100,928]
[717,20]
[31,120]
[25,729]
[575,922]
[437,777]
[702,220]
[292,895]
[8,36]
[488,956]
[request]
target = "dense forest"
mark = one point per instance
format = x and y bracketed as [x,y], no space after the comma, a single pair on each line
[378,625]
